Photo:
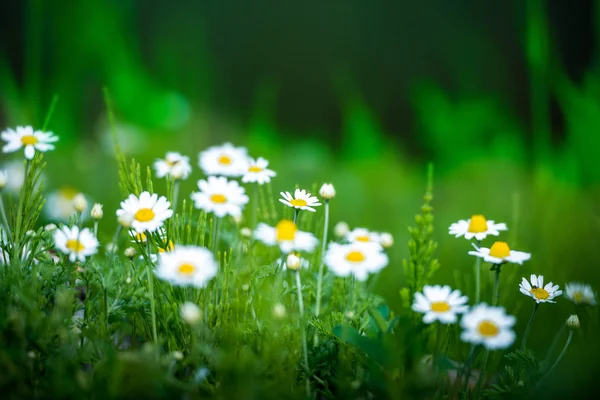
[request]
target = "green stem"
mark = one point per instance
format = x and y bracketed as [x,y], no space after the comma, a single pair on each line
[554,343]
[496,284]
[215,239]
[255,206]
[482,373]
[467,367]
[175,195]
[478,278]
[151,289]
[322,264]
[96,228]
[4,219]
[50,112]
[560,356]
[302,322]
[116,238]
[524,341]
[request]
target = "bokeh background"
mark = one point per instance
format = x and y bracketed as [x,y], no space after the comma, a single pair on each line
[502,97]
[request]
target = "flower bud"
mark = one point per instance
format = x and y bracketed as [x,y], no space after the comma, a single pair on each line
[96,212]
[3,180]
[386,240]
[327,191]
[246,232]
[50,227]
[80,203]
[125,220]
[177,355]
[341,229]
[573,322]
[190,313]
[293,262]
[279,310]
[130,252]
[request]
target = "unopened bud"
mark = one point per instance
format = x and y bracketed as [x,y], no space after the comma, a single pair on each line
[125,220]
[190,313]
[50,227]
[573,322]
[341,229]
[177,355]
[327,191]
[130,252]
[279,310]
[246,232]
[386,240]
[292,262]
[96,212]
[80,203]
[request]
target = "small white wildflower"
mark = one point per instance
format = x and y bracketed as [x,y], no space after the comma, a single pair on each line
[258,171]
[358,259]
[341,229]
[25,136]
[363,235]
[500,253]
[287,236]
[190,313]
[476,227]
[386,240]
[293,262]
[225,160]
[220,196]
[187,265]
[327,191]
[279,310]
[573,322]
[580,293]
[80,203]
[149,211]
[174,165]
[488,326]
[96,212]
[125,220]
[537,291]
[78,244]
[130,252]
[440,303]
[301,200]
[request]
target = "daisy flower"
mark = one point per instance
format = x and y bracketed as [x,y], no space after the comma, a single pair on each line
[440,303]
[302,200]
[149,211]
[224,160]
[25,136]
[580,293]
[537,291]
[60,204]
[187,265]
[77,244]
[220,196]
[357,259]
[363,235]
[285,235]
[500,253]
[258,172]
[488,326]
[476,227]
[174,165]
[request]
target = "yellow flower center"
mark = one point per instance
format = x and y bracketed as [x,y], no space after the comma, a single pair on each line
[144,215]
[29,140]
[218,198]
[478,224]
[362,239]
[286,230]
[298,202]
[254,168]
[540,293]
[440,306]
[500,250]
[172,163]
[577,297]
[140,237]
[186,269]
[68,192]
[355,256]
[488,328]
[169,247]
[75,245]
[225,160]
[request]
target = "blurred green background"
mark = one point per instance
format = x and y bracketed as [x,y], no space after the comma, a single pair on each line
[503,98]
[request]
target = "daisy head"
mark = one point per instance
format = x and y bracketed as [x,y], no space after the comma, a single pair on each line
[148,210]
[476,227]
[537,291]
[187,266]
[500,253]
[364,236]
[60,204]
[220,196]
[488,326]
[302,200]
[78,244]
[175,165]
[224,160]
[287,236]
[580,293]
[357,259]
[440,303]
[26,137]
[258,172]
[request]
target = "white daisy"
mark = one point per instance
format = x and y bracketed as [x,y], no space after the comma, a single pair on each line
[287,236]
[358,259]
[537,290]
[60,204]
[220,196]
[149,211]
[302,200]
[258,171]
[363,235]
[187,265]
[580,293]
[224,160]
[175,165]
[476,227]
[25,136]
[440,303]
[488,326]
[500,253]
[77,244]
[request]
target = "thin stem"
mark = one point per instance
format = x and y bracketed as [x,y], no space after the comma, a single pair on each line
[151,289]
[560,332]
[115,238]
[322,264]
[467,367]
[96,228]
[296,214]
[496,284]
[524,341]
[215,234]
[486,358]
[50,112]
[175,195]
[4,219]
[477,278]
[560,356]
[254,206]
[304,345]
